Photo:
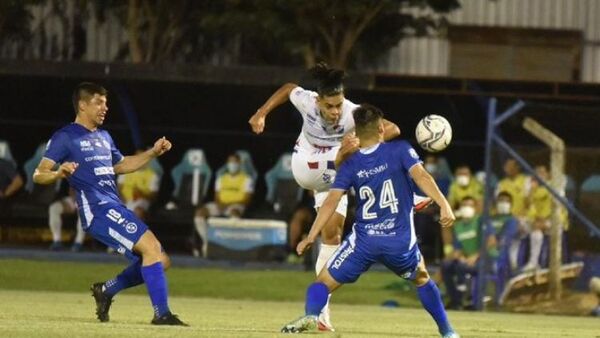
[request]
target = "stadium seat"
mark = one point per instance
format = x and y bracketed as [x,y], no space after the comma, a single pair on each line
[247,165]
[191,178]
[283,193]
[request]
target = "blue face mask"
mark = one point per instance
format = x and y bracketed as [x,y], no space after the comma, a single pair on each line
[233,167]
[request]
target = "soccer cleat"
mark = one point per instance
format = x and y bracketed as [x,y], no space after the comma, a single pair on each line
[168,319]
[56,246]
[77,247]
[421,202]
[451,335]
[302,324]
[324,320]
[103,302]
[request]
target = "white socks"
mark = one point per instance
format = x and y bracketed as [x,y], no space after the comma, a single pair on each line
[536,239]
[54,220]
[202,229]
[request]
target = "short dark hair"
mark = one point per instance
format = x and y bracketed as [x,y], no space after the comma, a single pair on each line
[331,81]
[236,156]
[84,91]
[366,118]
[505,193]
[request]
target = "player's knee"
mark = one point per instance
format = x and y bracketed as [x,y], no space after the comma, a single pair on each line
[55,208]
[421,277]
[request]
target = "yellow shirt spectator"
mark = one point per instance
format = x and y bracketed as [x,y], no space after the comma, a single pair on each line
[138,184]
[457,192]
[232,189]
[518,188]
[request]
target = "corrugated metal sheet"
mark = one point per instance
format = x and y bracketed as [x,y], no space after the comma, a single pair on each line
[421,56]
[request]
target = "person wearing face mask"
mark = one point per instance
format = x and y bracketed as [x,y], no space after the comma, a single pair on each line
[506,228]
[464,185]
[462,261]
[233,193]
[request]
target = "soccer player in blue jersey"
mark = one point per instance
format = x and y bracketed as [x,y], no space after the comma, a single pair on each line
[87,157]
[380,173]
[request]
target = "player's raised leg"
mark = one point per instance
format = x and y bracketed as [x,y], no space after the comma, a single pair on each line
[430,298]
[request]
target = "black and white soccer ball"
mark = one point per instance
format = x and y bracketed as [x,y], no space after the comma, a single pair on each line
[433,133]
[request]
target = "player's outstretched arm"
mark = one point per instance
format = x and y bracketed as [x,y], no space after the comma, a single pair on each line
[257,121]
[323,216]
[390,130]
[134,162]
[44,174]
[430,188]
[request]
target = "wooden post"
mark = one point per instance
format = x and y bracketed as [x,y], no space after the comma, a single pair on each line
[557,170]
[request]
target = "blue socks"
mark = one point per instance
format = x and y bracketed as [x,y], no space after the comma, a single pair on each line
[130,277]
[156,283]
[429,294]
[316,298]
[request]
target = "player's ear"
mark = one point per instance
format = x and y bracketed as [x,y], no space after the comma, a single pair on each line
[381,128]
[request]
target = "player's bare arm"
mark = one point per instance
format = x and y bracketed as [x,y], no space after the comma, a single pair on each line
[45,175]
[134,162]
[323,216]
[430,188]
[282,95]
[350,145]
[390,130]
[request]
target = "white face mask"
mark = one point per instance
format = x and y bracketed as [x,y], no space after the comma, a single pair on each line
[233,167]
[503,207]
[467,211]
[463,180]
[430,167]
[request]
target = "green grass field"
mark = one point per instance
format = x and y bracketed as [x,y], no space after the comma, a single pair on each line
[49,299]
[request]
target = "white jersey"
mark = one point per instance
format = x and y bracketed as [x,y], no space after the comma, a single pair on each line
[315,129]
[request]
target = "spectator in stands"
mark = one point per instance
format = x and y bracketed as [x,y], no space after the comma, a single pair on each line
[10,180]
[139,188]
[233,193]
[462,261]
[517,185]
[506,228]
[464,185]
[539,215]
[299,225]
[438,168]
[64,206]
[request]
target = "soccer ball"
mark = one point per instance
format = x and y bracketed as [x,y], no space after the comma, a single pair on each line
[433,133]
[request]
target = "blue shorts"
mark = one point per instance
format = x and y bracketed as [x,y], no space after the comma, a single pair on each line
[352,259]
[117,227]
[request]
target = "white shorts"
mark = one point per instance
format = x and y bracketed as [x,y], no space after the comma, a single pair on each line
[314,169]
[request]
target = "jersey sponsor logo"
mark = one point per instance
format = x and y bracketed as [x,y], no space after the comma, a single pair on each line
[104,171]
[380,233]
[131,227]
[387,224]
[86,145]
[98,158]
[342,257]
[106,144]
[371,172]
[108,183]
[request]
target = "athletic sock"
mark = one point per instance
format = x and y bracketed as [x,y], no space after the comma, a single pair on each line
[429,294]
[316,298]
[156,283]
[129,277]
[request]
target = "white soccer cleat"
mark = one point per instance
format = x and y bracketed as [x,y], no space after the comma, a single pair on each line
[324,320]
[421,202]
[302,324]
[451,335]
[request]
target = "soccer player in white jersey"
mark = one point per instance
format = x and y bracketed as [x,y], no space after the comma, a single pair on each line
[381,173]
[327,120]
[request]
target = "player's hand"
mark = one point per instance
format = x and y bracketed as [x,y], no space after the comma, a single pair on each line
[447,217]
[350,144]
[161,146]
[257,122]
[304,245]
[67,169]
